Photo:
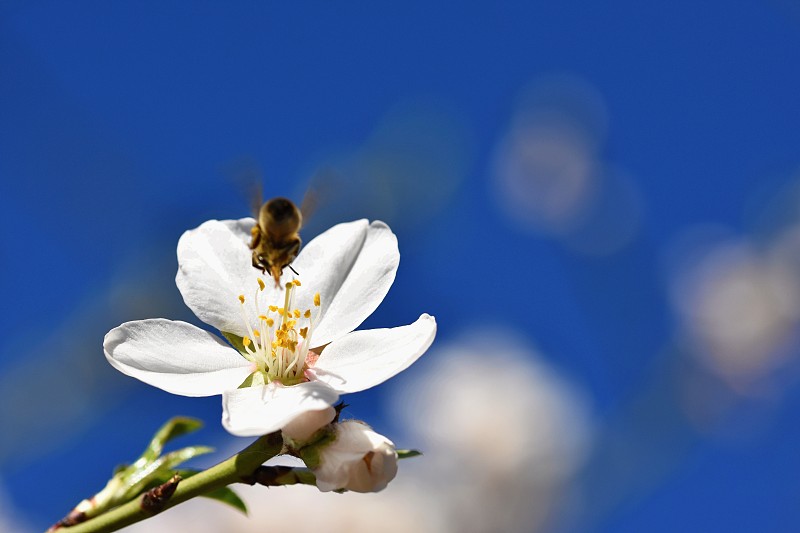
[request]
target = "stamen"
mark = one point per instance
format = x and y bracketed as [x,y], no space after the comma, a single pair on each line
[278,347]
[286,296]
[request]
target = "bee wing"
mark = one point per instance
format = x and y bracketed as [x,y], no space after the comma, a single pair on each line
[320,190]
[256,196]
[248,177]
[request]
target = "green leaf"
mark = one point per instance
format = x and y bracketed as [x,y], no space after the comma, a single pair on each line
[227,496]
[235,341]
[174,428]
[408,454]
[173,459]
[161,466]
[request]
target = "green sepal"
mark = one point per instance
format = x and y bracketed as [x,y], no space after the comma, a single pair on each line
[255,379]
[408,454]
[310,453]
[310,456]
[235,341]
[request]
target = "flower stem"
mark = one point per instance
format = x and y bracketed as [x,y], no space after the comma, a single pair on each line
[234,470]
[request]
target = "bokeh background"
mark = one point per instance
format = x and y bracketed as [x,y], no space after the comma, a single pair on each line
[599,203]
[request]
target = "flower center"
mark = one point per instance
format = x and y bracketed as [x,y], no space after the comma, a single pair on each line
[279,344]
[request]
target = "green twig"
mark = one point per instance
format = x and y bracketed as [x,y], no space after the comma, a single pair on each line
[234,470]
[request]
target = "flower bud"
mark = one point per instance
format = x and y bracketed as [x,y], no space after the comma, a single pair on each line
[357,459]
[303,427]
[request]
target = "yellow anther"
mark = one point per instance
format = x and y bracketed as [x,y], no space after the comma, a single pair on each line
[290,324]
[241,298]
[273,308]
[316,299]
[296,282]
[263,317]
[281,311]
[296,313]
[307,314]
[304,332]
[246,341]
[270,322]
[261,284]
[256,333]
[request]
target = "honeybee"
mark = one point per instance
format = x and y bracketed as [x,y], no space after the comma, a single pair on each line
[275,240]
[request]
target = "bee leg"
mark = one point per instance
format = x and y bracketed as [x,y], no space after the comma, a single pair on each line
[256,238]
[258,264]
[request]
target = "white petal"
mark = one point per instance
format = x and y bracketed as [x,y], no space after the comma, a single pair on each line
[366,358]
[175,356]
[214,268]
[352,266]
[260,410]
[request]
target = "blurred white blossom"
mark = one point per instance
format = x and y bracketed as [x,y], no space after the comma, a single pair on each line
[549,175]
[498,427]
[739,306]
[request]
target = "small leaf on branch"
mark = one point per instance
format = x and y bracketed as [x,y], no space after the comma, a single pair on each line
[408,454]
[174,428]
[229,497]
[224,494]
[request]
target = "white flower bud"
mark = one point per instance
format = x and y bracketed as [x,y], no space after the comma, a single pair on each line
[304,426]
[358,459]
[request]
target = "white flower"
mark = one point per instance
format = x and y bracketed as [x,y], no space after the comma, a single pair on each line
[345,272]
[358,459]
